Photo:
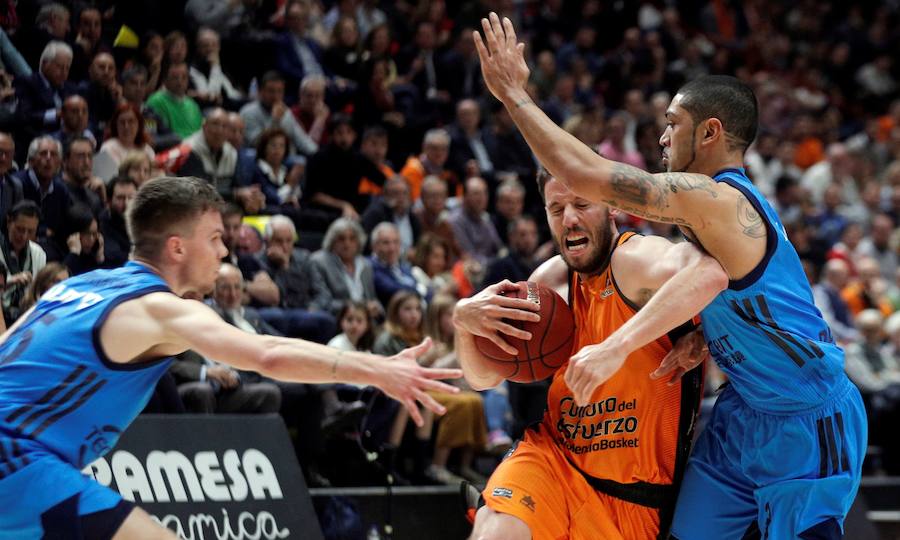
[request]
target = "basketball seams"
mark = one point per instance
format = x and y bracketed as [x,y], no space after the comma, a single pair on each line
[525,352]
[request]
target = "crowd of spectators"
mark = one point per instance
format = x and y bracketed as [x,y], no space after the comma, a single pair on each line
[371,180]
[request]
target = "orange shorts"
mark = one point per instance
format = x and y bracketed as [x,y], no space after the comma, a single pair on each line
[536,484]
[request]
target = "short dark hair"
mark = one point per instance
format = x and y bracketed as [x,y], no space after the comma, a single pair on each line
[78,220]
[725,98]
[373,132]
[70,142]
[136,70]
[165,207]
[339,119]
[230,209]
[271,76]
[27,208]
[513,223]
[118,180]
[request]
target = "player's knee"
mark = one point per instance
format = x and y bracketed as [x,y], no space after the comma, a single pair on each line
[491,525]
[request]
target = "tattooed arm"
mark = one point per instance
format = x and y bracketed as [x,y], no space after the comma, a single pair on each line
[714,214]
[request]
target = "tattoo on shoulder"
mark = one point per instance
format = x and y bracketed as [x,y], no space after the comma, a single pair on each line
[690,182]
[749,219]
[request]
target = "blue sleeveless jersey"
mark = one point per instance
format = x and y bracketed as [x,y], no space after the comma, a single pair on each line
[765,332]
[59,392]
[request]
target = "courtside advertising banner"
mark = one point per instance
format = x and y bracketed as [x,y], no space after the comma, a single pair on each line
[216,477]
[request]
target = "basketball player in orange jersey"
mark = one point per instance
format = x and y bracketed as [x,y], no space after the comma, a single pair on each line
[607,470]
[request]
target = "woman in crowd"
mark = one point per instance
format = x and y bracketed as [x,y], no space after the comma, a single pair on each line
[343,57]
[125,133]
[463,427]
[279,185]
[345,274]
[432,269]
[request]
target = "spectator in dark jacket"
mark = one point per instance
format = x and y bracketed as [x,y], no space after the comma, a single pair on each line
[41,95]
[10,185]
[390,271]
[43,183]
[520,262]
[394,206]
[116,244]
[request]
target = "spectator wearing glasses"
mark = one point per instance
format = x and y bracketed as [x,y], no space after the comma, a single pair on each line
[21,257]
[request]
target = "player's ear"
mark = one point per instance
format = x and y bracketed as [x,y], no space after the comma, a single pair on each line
[712,130]
[175,248]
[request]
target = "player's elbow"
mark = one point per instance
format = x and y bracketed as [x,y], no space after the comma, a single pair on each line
[270,360]
[481,383]
[712,275]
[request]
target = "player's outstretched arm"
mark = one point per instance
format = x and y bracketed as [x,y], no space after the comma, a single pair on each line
[161,324]
[685,199]
[677,282]
[485,315]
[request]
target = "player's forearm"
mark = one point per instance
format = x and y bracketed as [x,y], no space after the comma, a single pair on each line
[680,298]
[474,365]
[600,180]
[295,360]
[567,158]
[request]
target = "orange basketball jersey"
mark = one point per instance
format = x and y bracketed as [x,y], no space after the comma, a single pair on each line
[635,430]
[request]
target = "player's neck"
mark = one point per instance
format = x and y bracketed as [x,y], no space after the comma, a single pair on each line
[717,163]
[168,275]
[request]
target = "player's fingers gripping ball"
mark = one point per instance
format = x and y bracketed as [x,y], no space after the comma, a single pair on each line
[551,340]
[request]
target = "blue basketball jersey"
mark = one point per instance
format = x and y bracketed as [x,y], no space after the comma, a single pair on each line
[59,392]
[765,332]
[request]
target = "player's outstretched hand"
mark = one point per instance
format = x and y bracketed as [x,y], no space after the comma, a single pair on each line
[407,382]
[483,314]
[590,367]
[502,58]
[689,352]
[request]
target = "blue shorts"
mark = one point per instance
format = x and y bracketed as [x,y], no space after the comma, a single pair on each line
[51,498]
[773,476]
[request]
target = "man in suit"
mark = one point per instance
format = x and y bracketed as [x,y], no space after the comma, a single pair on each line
[41,95]
[207,386]
[303,406]
[43,183]
[472,148]
[520,261]
[394,206]
[10,186]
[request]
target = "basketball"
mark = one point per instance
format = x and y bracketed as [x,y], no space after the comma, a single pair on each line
[551,340]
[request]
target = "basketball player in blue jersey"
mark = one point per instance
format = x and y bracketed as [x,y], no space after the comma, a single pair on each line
[781,456]
[83,362]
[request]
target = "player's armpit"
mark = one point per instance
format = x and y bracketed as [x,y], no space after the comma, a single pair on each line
[553,273]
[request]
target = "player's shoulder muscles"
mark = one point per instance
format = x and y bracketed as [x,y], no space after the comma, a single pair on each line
[641,265]
[553,273]
[144,321]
